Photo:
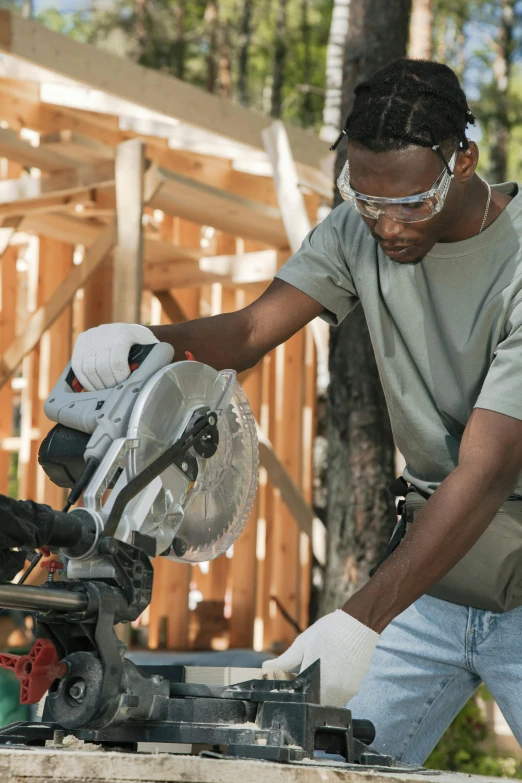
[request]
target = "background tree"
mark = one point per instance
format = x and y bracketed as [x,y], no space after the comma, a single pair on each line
[361,511]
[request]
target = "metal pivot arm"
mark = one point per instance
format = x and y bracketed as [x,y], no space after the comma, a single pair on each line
[197,434]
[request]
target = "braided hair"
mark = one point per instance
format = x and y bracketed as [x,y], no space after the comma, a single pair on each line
[409,102]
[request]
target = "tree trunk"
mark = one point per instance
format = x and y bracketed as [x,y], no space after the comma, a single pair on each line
[500,126]
[180,45]
[306,104]
[334,70]
[361,511]
[279,60]
[420,30]
[211,19]
[224,63]
[245,37]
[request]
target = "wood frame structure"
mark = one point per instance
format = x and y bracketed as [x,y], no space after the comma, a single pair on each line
[126,194]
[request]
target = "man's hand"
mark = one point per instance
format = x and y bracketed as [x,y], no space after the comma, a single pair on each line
[453,519]
[101,355]
[345,648]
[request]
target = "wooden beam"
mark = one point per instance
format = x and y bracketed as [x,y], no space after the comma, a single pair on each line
[15,148]
[63,227]
[295,220]
[8,307]
[248,270]
[18,209]
[47,314]
[128,254]
[292,496]
[171,307]
[207,205]
[154,90]
[76,147]
[19,193]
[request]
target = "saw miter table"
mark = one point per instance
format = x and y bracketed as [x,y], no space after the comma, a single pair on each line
[176,444]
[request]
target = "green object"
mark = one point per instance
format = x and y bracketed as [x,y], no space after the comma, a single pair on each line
[467,746]
[10,708]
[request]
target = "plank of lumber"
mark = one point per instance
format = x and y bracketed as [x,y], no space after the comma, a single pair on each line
[47,314]
[55,264]
[8,306]
[128,253]
[207,205]
[240,271]
[170,305]
[15,148]
[292,496]
[43,765]
[63,227]
[63,183]
[76,147]
[295,219]
[43,205]
[157,91]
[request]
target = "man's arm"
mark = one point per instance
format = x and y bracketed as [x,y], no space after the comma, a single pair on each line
[453,519]
[239,340]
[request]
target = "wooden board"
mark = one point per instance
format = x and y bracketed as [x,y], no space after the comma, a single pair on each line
[51,766]
[155,90]
[128,253]
[46,315]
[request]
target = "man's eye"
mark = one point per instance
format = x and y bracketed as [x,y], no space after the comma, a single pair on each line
[415,205]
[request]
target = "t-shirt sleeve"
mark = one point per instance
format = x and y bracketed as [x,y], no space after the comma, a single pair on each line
[502,388]
[319,268]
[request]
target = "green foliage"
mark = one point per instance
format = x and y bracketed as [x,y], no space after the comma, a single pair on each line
[467,746]
[175,36]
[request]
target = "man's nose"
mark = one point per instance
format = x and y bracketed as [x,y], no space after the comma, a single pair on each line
[386,228]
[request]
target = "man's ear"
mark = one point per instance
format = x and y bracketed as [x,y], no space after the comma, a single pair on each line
[467,161]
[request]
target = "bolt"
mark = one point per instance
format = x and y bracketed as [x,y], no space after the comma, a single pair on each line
[184,466]
[77,690]
[109,546]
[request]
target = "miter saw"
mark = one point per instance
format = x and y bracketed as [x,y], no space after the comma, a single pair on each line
[176,446]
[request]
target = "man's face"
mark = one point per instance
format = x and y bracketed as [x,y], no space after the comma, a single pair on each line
[399,173]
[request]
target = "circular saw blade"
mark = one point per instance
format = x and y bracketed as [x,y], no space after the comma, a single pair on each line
[215,508]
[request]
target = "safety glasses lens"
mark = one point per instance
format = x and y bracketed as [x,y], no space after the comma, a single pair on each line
[402,213]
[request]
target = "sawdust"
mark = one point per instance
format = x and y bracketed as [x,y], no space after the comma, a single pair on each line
[70,742]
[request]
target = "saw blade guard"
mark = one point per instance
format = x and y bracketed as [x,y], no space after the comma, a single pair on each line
[207,514]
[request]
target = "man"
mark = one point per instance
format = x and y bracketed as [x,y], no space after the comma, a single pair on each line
[434,256]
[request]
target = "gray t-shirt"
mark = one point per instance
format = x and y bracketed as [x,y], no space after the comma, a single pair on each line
[447,332]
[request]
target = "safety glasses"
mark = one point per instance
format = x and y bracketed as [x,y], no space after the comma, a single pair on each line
[410,209]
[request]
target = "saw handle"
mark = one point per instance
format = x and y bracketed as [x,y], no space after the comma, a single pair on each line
[137,354]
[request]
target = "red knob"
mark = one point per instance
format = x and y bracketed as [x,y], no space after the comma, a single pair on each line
[51,566]
[36,671]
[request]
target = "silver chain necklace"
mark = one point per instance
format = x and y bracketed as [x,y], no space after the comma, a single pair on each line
[487,207]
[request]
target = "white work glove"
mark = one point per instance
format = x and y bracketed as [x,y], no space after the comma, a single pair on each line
[345,647]
[100,358]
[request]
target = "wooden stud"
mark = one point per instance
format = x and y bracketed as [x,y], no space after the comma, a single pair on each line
[46,315]
[128,253]
[8,306]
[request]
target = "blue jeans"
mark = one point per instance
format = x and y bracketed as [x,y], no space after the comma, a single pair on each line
[428,663]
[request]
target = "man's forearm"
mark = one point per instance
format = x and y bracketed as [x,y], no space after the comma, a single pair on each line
[444,531]
[222,341]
